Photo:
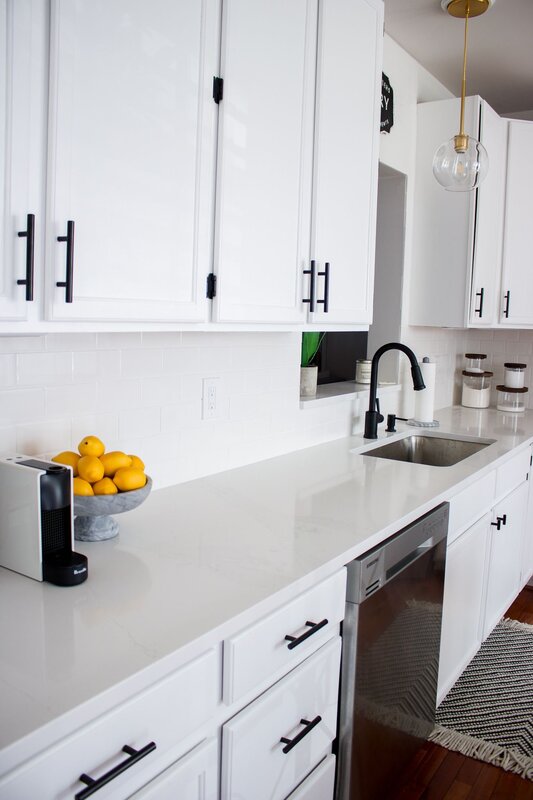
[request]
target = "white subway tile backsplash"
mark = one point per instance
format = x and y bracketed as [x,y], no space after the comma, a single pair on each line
[43,437]
[60,401]
[73,341]
[96,365]
[105,426]
[21,344]
[21,405]
[8,370]
[118,395]
[44,369]
[139,422]
[118,341]
[8,441]
[141,362]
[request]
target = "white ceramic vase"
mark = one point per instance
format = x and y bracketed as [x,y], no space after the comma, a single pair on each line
[308,379]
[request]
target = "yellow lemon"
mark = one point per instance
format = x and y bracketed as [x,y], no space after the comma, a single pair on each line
[129,478]
[81,487]
[113,461]
[105,486]
[136,462]
[90,469]
[69,458]
[91,446]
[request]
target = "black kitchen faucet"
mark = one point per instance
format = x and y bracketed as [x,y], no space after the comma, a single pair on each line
[373,416]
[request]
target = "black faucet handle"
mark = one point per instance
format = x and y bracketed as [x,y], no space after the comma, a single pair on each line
[380,416]
[391,423]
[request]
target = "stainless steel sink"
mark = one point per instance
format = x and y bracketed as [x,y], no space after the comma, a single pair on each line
[434,451]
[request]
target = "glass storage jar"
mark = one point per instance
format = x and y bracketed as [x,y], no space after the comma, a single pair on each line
[475,362]
[514,375]
[511,399]
[476,389]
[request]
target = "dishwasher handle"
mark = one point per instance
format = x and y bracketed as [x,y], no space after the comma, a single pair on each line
[380,565]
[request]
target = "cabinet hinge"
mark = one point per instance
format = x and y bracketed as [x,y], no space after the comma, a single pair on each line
[211,286]
[218,89]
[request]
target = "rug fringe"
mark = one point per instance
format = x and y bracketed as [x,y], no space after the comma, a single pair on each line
[514,623]
[484,751]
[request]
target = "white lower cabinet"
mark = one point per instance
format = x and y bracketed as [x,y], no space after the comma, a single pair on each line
[142,736]
[463,603]
[319,785]
[270,746]
[193,777]
[506,540]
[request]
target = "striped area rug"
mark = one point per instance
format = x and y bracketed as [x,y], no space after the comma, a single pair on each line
[488,714]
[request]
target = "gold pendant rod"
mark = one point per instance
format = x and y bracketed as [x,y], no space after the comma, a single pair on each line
[463,83]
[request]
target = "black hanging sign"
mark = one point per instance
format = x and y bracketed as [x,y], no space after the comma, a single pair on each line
[387,105]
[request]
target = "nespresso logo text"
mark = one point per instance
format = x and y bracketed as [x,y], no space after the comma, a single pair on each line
[80,571]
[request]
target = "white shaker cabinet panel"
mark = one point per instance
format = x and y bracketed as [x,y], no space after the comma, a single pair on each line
[463,602]
[131,157]
[270,746]
[193,777]
[517,278]
[506,548]
[319,784]
[265,159]
[346,158]
[457,240]
[22,145]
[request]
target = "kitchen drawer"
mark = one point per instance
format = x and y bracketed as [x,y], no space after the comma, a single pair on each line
[468,506]
[512,473]
[319,785]
[166,713]
[193,777]
[253,762]
[262,652]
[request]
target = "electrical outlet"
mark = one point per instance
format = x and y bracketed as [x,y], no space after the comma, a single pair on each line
[210,398]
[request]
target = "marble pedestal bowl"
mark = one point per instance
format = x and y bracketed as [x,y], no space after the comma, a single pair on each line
[94,523]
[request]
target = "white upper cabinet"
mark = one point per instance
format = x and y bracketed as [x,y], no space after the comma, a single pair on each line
[457,238]
[265,159]
[298,158]
[346,159]
[517,278]
[22,119]
[131,158]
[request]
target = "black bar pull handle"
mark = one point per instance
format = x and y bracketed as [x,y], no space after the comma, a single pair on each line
[507,298]
[309,725]
[325,301]
[68,282]
[499,522]
[29,235]
[93,784]
[481,295]
[294,641]
[312,279]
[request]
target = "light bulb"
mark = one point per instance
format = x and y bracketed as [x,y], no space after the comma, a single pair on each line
[460,164]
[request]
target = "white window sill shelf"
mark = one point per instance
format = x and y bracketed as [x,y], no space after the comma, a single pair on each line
[329,393]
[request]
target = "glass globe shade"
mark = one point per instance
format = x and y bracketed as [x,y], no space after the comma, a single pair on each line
[460,170]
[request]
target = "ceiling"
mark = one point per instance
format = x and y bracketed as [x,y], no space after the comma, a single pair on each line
[500,48]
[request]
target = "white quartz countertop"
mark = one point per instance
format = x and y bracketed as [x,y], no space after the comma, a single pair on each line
[200,561]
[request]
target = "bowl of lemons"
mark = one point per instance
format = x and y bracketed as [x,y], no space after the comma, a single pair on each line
[104,484]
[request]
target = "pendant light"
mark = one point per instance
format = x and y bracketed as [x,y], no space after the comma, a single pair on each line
[461,163]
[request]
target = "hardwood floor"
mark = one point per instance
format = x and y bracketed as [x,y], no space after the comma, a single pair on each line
[439,774]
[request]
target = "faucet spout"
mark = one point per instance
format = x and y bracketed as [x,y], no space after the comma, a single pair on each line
[373,416]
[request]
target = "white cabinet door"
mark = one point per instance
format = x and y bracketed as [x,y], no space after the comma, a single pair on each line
[319,784]
[270,746]
[527,558]
[488,224]
[463,603]
[346,158]
[265,159]
[23,30]
[457,235]
[131,157]
[507,531]
[193,777]
[517,278]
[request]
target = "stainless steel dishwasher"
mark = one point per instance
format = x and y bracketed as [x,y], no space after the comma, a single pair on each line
[390,660]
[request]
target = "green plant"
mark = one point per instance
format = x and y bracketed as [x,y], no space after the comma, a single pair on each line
[311,341]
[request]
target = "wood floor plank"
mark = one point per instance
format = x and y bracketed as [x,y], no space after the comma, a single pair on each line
[507,786]
[485,783]
[458,791]
[443,777]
